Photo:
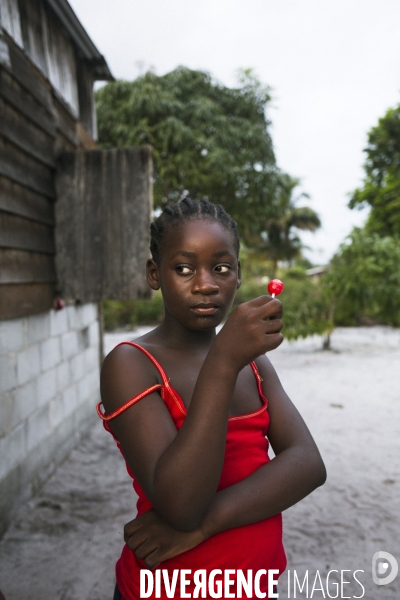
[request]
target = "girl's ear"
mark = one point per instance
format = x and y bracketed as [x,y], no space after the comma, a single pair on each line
[152,274]
[239,280]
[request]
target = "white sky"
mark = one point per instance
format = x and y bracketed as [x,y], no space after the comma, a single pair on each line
[334,68]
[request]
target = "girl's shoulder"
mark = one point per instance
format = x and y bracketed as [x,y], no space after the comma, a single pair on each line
[264,366]
[126,372]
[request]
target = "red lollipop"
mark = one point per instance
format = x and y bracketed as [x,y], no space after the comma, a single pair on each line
[275,287]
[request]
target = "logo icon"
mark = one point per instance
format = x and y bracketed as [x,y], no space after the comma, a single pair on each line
[384,568]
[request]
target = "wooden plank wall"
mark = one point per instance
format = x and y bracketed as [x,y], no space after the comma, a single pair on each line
[103,213]
[103,197]
[35,125]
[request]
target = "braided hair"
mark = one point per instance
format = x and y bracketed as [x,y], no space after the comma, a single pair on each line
[186,210]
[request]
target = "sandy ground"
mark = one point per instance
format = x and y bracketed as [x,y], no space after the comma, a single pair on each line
[62,545]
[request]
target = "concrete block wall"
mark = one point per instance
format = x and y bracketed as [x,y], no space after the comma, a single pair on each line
[49,385]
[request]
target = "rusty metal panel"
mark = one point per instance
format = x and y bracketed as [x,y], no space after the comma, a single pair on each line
[103,213]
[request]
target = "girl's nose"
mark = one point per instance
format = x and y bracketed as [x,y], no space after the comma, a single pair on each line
[204,283]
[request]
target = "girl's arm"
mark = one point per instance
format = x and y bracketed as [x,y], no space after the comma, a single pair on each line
[295,472]
[180,471]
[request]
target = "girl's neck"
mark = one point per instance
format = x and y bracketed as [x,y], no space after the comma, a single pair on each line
[175,335]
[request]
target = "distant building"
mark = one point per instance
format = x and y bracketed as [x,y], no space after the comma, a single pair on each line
[73,225]
[316,272]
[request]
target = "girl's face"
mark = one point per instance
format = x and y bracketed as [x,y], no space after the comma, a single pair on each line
[198,273]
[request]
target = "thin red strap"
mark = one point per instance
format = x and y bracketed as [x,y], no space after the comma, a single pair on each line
[128,404]
[259,380]
[143,394]
[151,357]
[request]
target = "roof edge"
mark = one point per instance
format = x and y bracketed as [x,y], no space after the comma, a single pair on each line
[80,37]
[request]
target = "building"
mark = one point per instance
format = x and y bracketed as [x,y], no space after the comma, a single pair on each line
[316,272]
[73,230]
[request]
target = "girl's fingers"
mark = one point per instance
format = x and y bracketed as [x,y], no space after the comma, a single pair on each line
[271,309]
[274,340]
[145,549]
[260,301]
[136,540]
[131,528]
[153,559]
[273,326]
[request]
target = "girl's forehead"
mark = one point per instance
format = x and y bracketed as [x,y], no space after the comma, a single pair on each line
[198,235]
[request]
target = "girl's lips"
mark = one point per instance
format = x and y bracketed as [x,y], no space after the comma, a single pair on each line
[205,309]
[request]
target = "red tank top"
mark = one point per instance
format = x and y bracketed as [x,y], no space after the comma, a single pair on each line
[256,546]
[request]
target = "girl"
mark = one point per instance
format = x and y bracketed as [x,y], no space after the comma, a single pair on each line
[188,410]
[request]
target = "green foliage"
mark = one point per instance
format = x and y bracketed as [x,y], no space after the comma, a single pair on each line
[278,231]
[306,306]
[381,189]
[128,313]
[249,290]
[364,280]
[208,139]
[254,265]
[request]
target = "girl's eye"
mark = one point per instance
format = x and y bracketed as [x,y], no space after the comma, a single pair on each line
[183,270]
[222,268]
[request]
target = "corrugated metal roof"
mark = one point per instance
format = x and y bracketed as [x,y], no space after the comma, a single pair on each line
[81,39]
[317,270]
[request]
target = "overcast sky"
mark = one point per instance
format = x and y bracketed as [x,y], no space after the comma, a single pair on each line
[334,67]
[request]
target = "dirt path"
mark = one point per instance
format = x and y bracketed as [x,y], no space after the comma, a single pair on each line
[63,544]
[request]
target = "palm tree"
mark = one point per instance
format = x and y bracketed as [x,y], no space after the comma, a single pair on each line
[281,242]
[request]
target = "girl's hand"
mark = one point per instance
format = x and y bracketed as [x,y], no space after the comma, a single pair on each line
[251,330]
[153,541]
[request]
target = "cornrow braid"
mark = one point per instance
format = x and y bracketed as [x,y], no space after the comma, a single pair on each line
[185,210]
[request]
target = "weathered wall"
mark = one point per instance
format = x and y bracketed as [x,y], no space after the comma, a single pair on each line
[103,215]
[49,361]
[46,106]
[49,385]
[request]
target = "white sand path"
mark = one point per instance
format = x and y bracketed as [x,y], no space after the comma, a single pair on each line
[62,545]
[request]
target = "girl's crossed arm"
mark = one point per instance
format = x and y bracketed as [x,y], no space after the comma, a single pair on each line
[294,473]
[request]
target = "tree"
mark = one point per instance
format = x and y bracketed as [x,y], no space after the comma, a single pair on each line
[282,243]
[381,188]
[208,140]
[364,279]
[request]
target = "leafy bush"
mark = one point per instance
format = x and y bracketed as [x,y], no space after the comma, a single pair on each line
[306,306]
[128,313]
[364,280]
